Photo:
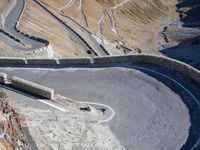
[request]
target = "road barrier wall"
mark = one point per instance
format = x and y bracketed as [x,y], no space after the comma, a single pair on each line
[112,59]
[12,61]
[3,77]
[135,58]
[32,88]
[74,61]
[42,61]
[167,62]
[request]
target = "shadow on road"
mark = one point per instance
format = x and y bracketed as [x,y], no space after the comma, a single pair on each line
[191,17]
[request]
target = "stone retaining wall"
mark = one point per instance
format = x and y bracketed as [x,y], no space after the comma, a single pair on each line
[137,58]
[32,88]
[74,61]
[112,59]
[12,61]
[167,62]
[42,61]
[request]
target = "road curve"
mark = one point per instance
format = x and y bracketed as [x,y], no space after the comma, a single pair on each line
[80,39]
[101,49]
[147,100]
[27,43]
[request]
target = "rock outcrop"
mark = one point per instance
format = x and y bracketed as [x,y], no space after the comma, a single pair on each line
[14,132]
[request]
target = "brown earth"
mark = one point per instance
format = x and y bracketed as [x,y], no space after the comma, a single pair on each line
[37,22]
[138,22]
[3,4]
[14,132]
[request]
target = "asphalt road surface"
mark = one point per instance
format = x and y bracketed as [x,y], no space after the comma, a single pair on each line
[9,26]
[150,103]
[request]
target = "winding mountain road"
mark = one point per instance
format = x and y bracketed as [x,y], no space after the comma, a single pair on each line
[152,107]
[147,100]
[10,24]
[102,51]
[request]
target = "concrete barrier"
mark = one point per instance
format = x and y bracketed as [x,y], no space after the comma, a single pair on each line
[3,77]
[74,61]
[12,61]
[41,61]
[32,88]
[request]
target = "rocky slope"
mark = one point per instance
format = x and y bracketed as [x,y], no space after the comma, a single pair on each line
[14,132]
[137,22]
[37,128]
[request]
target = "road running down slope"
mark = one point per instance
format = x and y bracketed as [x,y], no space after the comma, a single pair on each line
[29,44]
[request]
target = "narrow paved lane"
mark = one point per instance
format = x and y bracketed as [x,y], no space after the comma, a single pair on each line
[11,20]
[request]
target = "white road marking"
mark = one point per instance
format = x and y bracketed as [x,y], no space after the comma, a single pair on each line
[52,105]
[109,118]
[161,74]
[33,97]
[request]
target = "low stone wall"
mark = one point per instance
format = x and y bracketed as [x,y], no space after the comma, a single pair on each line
[112,59]
[167,62]
[12,61]
[3,77]
[135,58]
[41,61]
[32,88]
[75,61]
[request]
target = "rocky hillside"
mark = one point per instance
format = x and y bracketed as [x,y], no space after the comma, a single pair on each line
[14,132]
[131,23]
[32,127]
[137,22]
